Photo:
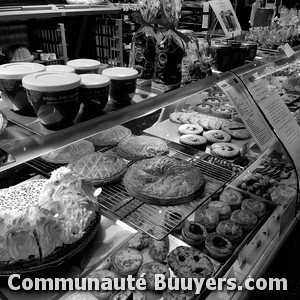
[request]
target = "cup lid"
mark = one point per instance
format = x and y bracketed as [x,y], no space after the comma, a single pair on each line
[120,73]
[84,64]
[60,68]
[94,80]
[51,81]
[19,70]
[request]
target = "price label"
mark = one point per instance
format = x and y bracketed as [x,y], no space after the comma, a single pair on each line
[288,50]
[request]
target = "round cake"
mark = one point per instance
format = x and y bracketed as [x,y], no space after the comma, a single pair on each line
[190,129]
[164,180]
[225,150]
[217,136]
[193,140]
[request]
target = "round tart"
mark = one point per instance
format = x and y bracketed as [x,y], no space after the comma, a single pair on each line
[190,129]
[209,218]
[188,262]
[100,168]
[174,117]
[150,269]
[225,150]
[193,140]
[212,101]
[203,108]
[172,218]
[127,261]
[139,147]
[110,137]
[69,153]
[232,197]
[222,112]
[236,130]
[164,180]
[231,230]
[244,218]
[193,233]
[217,136]
[218,246]
[255,206]
[223,209]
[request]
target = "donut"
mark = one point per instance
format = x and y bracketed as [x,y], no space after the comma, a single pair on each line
[231,230]
[203,108]
[212,101]
[232,197]
[193,233]
[209,218]
[217,136]
[223,209]
[218,246]
[190,129]
[193,140]
[225,150]
[222,112]
[255,206]
[164,180]
[244,218]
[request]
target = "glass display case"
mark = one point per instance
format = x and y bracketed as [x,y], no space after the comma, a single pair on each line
[247,145]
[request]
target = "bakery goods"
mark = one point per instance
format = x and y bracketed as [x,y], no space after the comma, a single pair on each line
[193,233]
[209,218]
[220,95]
[164,180]
[100,168]
[218,246]
[110,137]
[217,136]
[244,218]
[174,117]
[69,153]
[223,209]
[193,140]
[127,261]
[236,130]
[188,262]
[139,147]
[139,241]
[179,295]
[232,197]
[40,217]
[203,108]
[124,295]
[210,122]
[255,206]
[172,218]
[159,250]
[184,117]
[225,150]
[190,129]
[150,269]
[231,230]
[212,101]
[222,112]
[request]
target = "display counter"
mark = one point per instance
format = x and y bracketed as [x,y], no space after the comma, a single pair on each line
[264,167]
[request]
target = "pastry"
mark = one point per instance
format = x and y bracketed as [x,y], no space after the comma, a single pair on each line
[232,197]
[127,261]
[194,119]
[193,140]
[174,117]
[139,241]
[178,295]
[164,180]
[110,137]
[184,117]
[193,233]
[150,269]
[255,206]
[210,122]
[188,262]
[223,209]
[203,108]
[69,153]
[124,295]
[231,230]
[222,112]
[143,146]
[212,101]
[172,218]
[190,129]
[244,218]
[217,136]
[225,150]
[209,218]
[236,130]
[159,250]
[218,246]
[100,168]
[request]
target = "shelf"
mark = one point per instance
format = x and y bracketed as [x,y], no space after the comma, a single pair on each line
[9,13]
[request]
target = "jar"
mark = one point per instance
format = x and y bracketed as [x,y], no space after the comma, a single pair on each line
[13,93]
[84,65]
[223,57]
[60,68]
[54,97]
[236,53]
[251,50]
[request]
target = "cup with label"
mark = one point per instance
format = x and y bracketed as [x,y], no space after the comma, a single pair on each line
[54,97]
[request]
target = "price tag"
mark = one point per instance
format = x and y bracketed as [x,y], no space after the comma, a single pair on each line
[288,50]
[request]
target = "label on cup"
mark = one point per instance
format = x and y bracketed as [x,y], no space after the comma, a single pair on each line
[122,91]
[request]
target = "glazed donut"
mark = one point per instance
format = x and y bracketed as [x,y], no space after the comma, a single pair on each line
[232,197]
[223,209]
[164,180]
[231,230]
[193,233]
[209,218]
[218,246]
[255,206]
[245,218]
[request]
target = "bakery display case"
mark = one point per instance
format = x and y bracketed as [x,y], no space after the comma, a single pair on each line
[243,154]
